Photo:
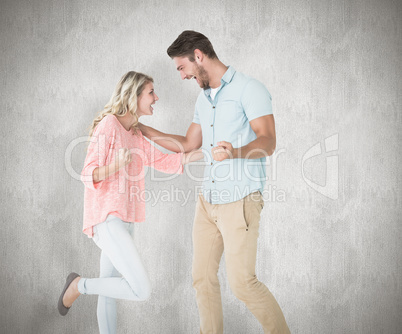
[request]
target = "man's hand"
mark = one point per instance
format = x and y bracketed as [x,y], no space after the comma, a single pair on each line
[223,151]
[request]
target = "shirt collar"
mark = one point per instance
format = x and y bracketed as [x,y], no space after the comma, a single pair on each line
[227,78]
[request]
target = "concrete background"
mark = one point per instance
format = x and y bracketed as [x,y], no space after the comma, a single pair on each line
[332,67]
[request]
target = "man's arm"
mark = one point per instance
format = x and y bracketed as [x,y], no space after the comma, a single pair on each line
[175,143]
[264,145]
[192,156]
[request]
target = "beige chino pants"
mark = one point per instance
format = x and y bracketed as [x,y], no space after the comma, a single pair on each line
[232,227]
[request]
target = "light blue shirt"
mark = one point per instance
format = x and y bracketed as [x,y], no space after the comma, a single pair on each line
[227,117]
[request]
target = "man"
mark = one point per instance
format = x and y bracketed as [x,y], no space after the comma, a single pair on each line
[234,125]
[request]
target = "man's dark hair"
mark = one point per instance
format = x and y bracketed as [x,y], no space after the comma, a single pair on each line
[187,42]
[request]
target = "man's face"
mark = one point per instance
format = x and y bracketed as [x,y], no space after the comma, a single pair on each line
[192,70]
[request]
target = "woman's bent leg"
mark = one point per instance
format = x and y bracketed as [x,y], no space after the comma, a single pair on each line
[106,310]
[115,240]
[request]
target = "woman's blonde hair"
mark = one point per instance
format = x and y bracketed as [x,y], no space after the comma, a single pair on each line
[124,98]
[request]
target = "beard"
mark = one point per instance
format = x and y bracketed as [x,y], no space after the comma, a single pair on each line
[202,76]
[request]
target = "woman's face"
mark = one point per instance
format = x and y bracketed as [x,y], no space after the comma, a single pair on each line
[146,99]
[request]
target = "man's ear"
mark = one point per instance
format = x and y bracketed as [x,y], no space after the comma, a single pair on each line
[198,55]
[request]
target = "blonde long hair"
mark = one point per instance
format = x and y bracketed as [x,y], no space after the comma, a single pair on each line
[124,98]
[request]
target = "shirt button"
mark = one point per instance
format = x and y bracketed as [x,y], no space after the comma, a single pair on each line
[212,163]
[213,181]
[212,125]
[212,144]
[213,107]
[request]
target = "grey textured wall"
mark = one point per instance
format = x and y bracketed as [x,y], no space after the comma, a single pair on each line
[329,245]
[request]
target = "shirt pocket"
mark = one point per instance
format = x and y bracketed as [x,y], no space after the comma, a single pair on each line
[229,111]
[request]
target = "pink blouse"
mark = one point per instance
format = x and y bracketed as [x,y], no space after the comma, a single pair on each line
[122,194]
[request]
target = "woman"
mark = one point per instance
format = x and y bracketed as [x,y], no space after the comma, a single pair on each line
[113,175]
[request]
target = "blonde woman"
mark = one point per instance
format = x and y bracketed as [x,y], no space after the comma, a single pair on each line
[114,185]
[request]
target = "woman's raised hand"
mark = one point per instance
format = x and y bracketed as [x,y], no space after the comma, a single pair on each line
[124,157]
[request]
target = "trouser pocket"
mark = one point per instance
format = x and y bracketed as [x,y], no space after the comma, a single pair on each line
[252,207]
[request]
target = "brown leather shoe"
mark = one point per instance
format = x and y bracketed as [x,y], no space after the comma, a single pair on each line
[62,309]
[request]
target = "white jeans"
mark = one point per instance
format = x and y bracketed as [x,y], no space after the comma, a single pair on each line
[122,273]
